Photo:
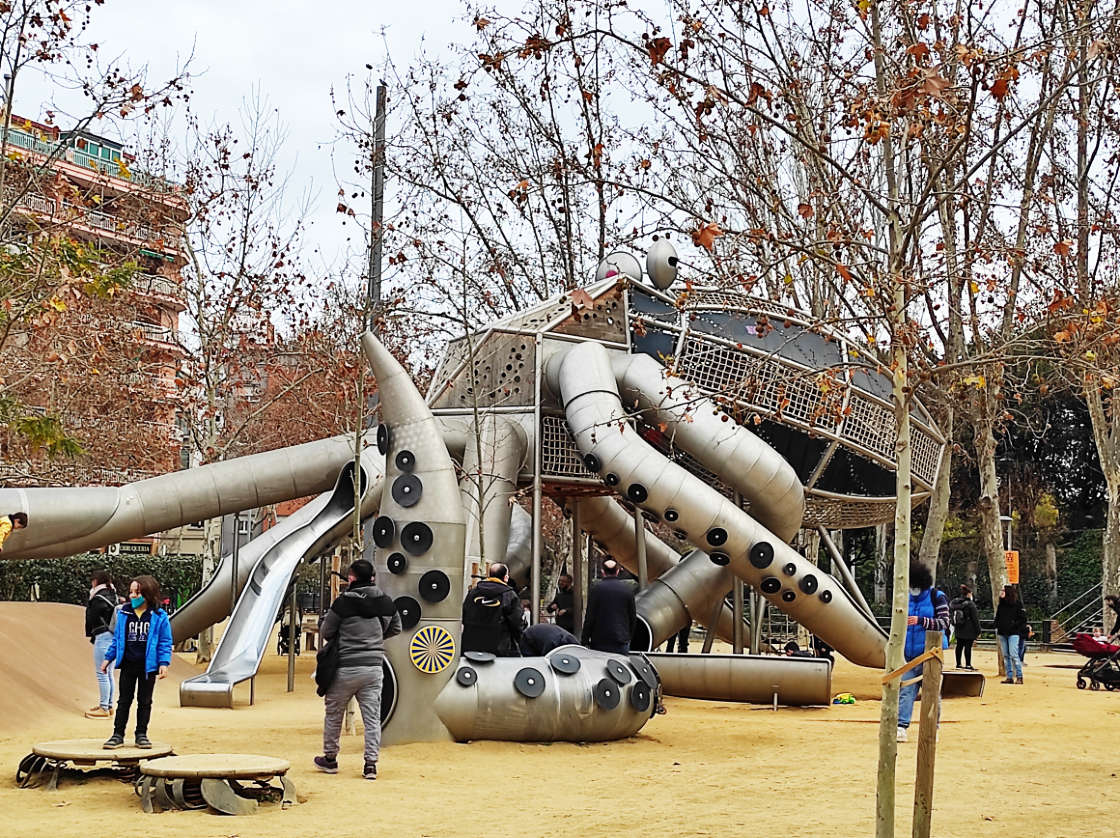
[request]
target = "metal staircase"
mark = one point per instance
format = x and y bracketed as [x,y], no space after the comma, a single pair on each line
[1079,615]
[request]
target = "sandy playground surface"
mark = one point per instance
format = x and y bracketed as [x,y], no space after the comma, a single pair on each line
[1037,760]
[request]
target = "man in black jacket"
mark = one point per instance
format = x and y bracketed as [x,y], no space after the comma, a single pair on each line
[359,622]
[539,640]
[492,615]
[612,614]
[563,604]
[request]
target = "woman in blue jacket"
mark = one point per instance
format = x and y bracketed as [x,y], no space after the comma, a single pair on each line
[141,650]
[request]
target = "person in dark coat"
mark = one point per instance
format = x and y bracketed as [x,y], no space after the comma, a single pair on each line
[1113,602]
[542,638]
[680,640]
[964,617]
[612,614]
[562,607]
[99,629]
[492,615]
[1011,622]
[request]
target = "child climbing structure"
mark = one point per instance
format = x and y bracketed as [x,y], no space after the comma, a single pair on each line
[618,401]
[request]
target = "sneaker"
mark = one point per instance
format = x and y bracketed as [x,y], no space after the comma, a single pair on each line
[142,741]
[902,736]
[328,765]
[370,771]
[95,707]
[1008,681]
[113,742]
[98,713]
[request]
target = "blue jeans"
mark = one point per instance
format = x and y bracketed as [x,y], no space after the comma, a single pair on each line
[1009,648]
[101,645]
[906,697]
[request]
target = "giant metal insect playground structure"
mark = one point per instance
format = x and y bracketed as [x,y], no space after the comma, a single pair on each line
[616,401]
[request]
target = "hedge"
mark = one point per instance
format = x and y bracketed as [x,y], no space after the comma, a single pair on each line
[67,580]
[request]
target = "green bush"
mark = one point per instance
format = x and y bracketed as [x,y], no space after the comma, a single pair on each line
[67,580]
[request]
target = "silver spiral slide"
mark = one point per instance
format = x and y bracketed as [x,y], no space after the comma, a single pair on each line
[584,379]
[251,625]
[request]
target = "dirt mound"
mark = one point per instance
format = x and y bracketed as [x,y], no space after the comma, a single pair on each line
[46,663]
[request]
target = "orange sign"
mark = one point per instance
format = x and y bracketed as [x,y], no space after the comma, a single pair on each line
[1011,560]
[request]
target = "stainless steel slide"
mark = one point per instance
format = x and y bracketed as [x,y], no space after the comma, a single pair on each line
[241,648]
[584,379]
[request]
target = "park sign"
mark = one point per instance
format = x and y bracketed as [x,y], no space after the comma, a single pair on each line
[1011,561]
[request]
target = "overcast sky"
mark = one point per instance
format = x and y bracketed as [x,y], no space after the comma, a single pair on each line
[295,51]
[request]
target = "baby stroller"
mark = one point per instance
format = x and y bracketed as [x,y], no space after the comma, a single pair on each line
[285,622]
[1103,666]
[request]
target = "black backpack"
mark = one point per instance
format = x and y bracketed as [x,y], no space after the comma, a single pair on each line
[957,618]
[326,666]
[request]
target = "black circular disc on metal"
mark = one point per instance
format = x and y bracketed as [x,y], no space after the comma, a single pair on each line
[720,558]
[619,672]
[435,586]
[639,697]
[383,530]
[607,694]
[409,609]
[407,490]
[416,538]
[564,662]
[529,682]
[405,460]
[593,463]
[611,478]
[480,657]
[644,671]
[762,554]
[826,596]
[671,515]
[788,595]
[384,438]
[637,493]
[466,676]
[771,585]
[789,568]
[397,563]
[388,691]
[808,584]
[717,536]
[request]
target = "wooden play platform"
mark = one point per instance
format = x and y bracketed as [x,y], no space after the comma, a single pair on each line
[53,758]
[233,784]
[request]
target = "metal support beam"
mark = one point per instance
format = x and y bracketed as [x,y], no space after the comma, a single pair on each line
[737,612]
[640,549]
[293,632]
[579,575]
[713,627]
[845,574]
[758,611]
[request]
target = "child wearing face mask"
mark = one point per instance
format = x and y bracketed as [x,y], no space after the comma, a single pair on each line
[141,650]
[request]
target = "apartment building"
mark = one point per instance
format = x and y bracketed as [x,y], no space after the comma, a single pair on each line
[118,392]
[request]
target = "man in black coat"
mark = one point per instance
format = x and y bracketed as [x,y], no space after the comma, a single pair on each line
[542,638]
[563,604]
[492,615]
[612,614]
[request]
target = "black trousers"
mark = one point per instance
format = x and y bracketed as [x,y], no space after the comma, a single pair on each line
[134,682]
[966,647]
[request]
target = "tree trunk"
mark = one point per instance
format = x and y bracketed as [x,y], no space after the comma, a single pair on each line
[990,531]
[1106,434]
[938,512]
[882,564]
[1051,574]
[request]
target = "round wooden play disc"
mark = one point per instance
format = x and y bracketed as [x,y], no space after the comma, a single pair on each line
[91,750]
[224,766]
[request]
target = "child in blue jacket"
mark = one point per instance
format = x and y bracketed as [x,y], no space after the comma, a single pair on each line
[141,650]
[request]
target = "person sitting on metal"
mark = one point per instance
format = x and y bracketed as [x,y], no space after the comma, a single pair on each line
[492,615]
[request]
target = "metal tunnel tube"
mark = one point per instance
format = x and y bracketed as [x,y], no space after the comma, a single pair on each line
[595,414]
[573,695]
[750,678]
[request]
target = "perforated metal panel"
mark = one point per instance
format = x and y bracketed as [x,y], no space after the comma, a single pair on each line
[504,374]
[604,319]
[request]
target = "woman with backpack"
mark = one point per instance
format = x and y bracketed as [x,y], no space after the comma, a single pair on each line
[964,618]
[141,650]
[1011,621]
[100,609]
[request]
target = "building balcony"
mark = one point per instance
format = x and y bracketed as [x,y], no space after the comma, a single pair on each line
[161,288]
[111,168]
[163,337]
[156,385]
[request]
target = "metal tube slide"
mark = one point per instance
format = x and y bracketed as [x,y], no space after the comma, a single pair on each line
[492,461]
[694,423]
[681,590]
[241,648]
[210,604]
[66,521]
[751,678]
[595,414]
[573,695]
[419,538]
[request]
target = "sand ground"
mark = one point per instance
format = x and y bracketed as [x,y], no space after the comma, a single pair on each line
[1036,760]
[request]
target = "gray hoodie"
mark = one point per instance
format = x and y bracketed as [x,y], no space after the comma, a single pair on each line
[361,618]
